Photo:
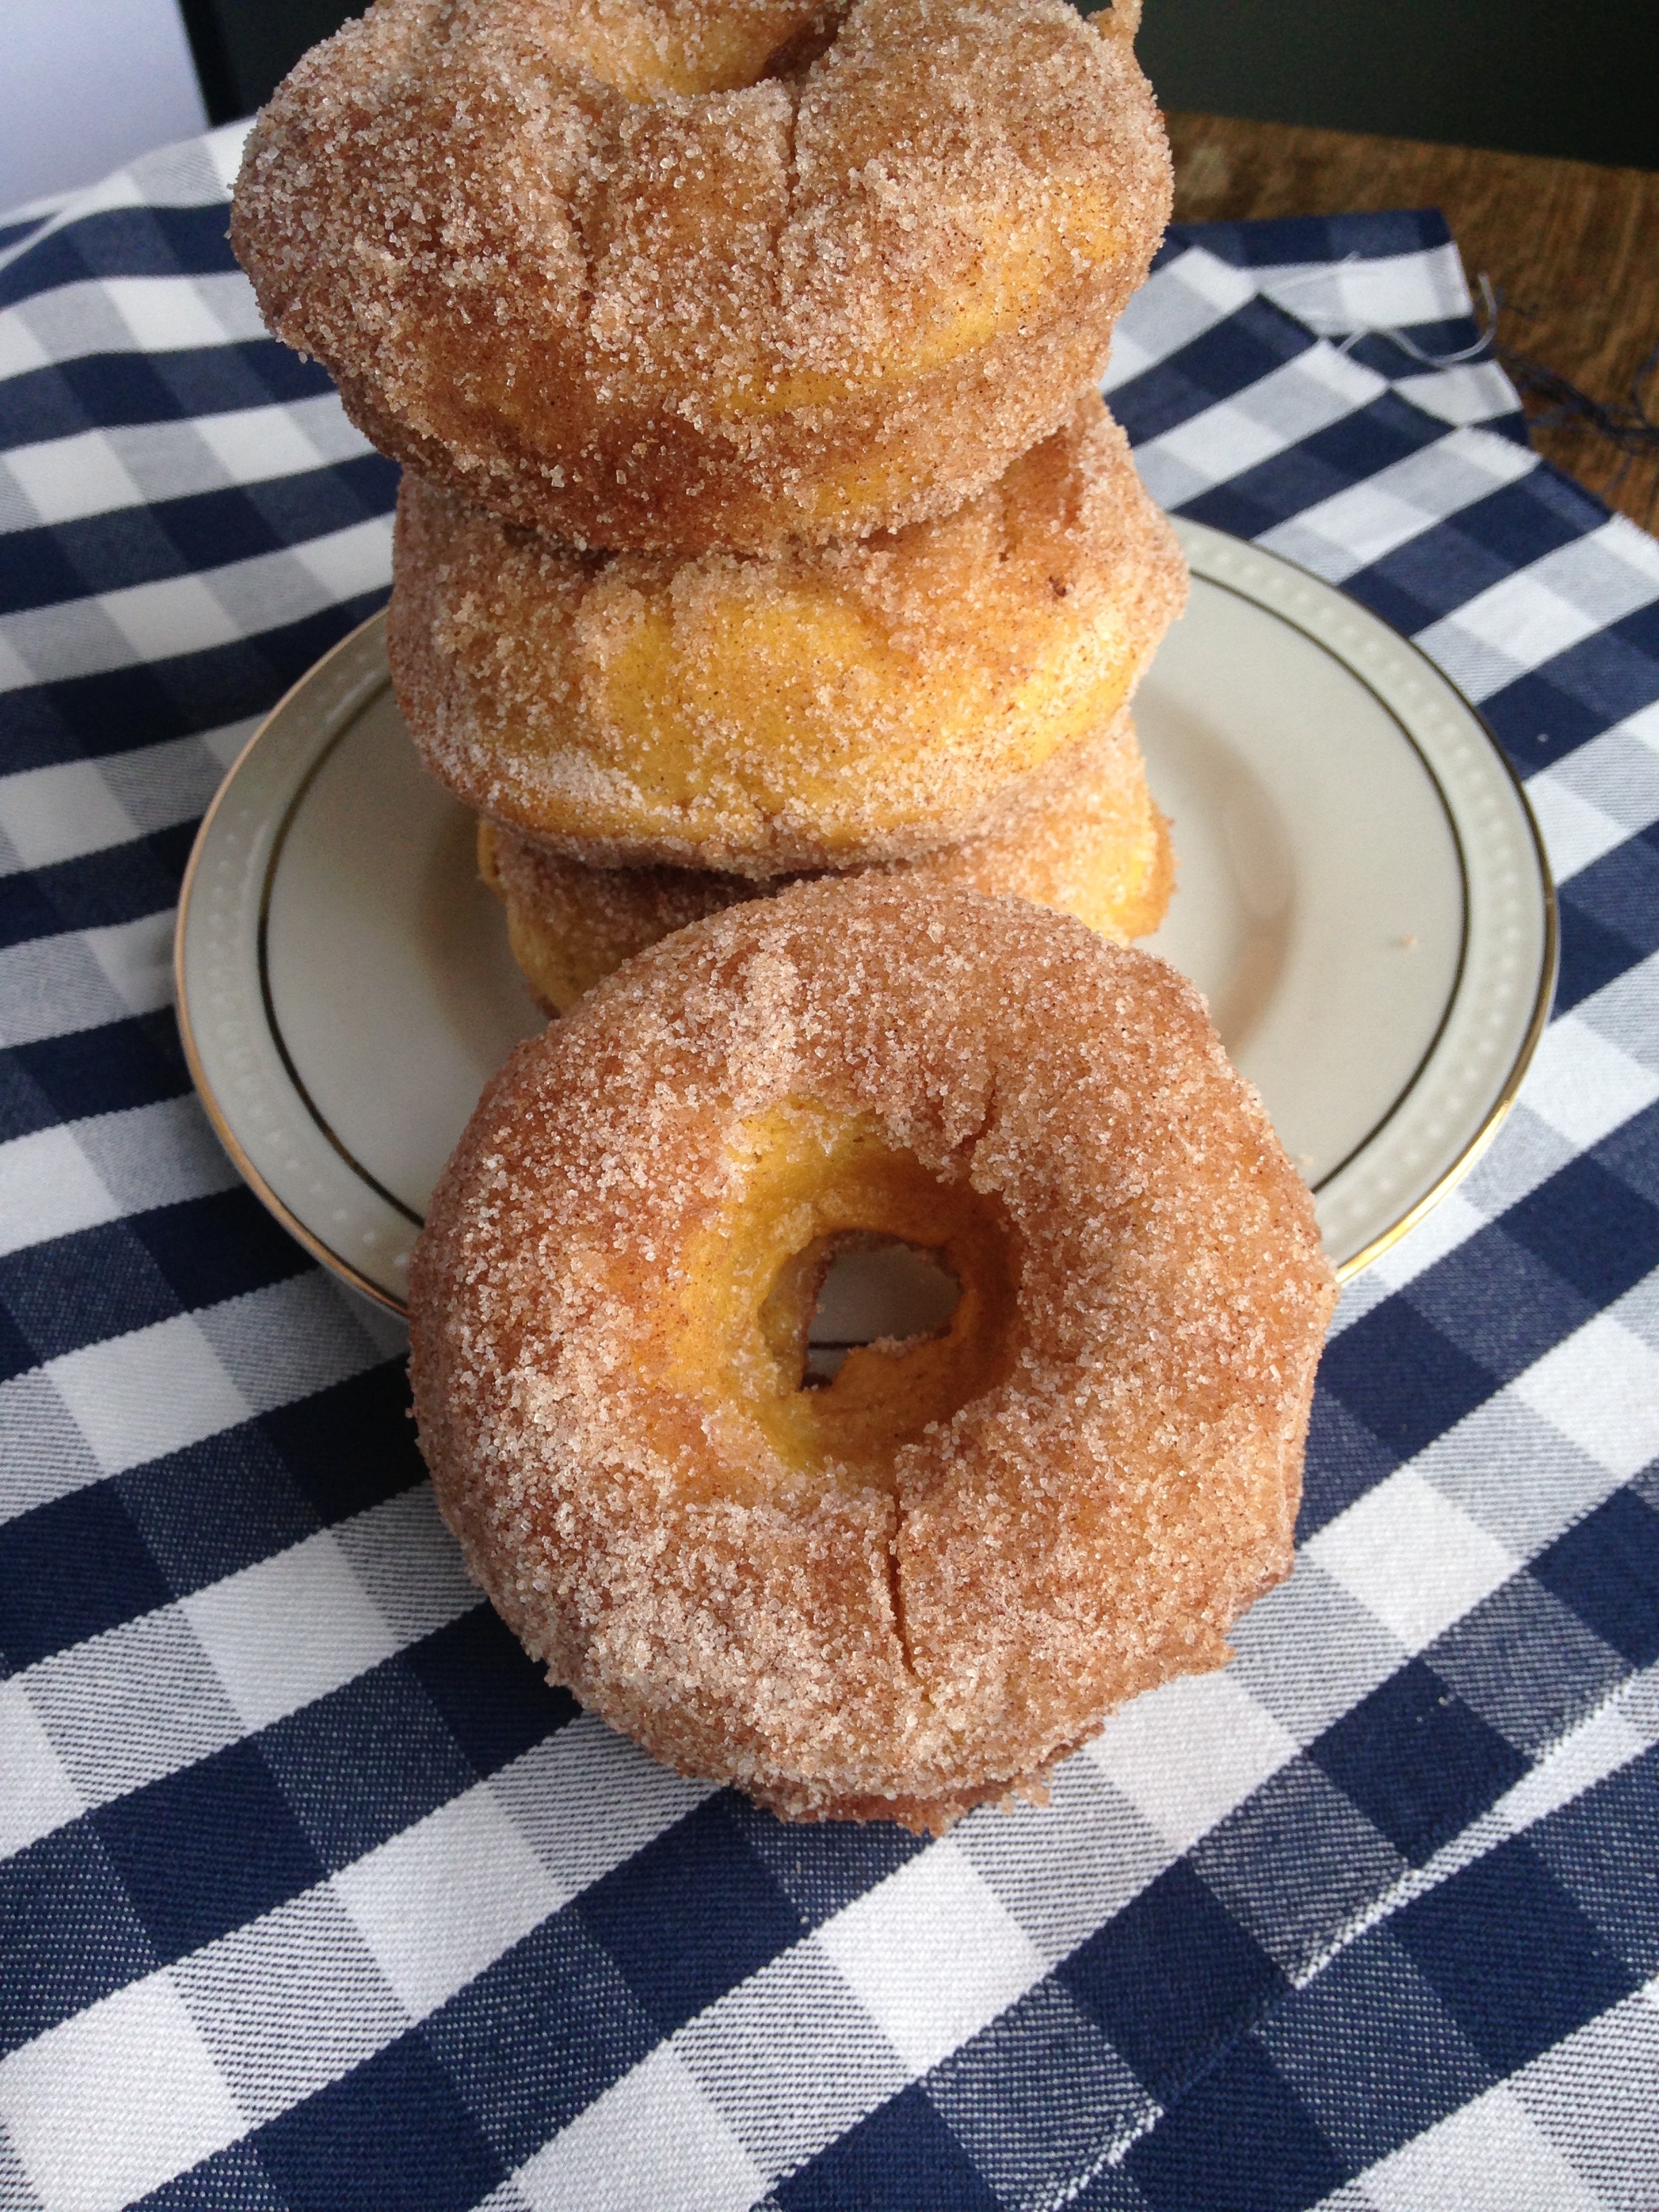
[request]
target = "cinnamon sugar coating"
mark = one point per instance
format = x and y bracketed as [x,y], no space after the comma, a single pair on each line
[676,274]
[805,708]
[919,1592]
[1080,833]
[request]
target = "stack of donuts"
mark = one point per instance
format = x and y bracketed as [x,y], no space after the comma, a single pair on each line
[760,516]
[761,520]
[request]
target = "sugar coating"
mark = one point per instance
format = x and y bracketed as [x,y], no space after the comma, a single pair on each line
[808,707]
[1079,834]
[672,274]
[1081,1529]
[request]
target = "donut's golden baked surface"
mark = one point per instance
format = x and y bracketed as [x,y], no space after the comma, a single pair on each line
[686,273]
[1079,834]
[803,709]
[918,1587]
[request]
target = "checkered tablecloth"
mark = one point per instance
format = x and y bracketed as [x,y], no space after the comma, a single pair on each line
[312,1896]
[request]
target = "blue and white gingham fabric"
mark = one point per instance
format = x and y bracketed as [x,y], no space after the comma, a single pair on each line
[313,1897]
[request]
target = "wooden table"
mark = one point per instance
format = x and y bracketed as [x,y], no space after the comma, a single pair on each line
[1572,250]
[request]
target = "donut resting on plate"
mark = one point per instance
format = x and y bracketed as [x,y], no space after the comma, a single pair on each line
[1079,834]
[809,709]
[920,1586]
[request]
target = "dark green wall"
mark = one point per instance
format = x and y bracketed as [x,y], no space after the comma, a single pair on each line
[1536,77]
[1532,76]
[244,48]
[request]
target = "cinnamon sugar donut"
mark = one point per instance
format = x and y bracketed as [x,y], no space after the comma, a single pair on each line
[918,1587]
[673,274]
[1082,835]
[806,708]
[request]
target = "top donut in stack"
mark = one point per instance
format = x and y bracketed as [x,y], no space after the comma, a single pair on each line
[760,513]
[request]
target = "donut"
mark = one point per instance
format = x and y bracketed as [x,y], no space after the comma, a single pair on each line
[810,707]
[1082,835]
[919,1586]
[676,274]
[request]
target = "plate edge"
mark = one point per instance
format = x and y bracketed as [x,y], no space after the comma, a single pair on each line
[334,1261]
[1549,963]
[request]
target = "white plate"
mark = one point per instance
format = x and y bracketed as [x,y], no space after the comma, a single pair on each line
[1362,899]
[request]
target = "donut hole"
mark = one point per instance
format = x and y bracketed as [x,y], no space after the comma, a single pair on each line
[651,54]
[875,1289]
[825,1201]
[788,63]
[937,1305]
